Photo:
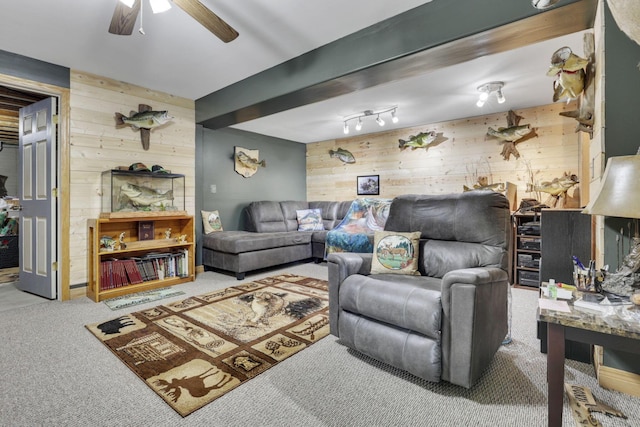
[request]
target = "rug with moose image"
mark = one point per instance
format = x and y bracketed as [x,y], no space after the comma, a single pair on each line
[191,352]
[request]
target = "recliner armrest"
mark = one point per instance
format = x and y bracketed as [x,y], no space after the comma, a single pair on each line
[472,276]
[342,265]
[474,321]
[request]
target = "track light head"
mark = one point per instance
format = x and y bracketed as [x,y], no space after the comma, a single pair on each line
[379,121]
[345,129]
[394,118]
[359,124]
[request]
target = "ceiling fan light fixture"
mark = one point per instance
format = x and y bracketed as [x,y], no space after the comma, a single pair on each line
[128,3]
[159,6]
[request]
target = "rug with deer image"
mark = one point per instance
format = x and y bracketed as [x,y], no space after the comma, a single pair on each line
[192,351]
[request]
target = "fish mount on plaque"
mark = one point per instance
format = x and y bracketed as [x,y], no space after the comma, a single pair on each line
[424,140]
[575,79]
[144,120]
[343,155]
[557,188]
[246,161]
[512,134]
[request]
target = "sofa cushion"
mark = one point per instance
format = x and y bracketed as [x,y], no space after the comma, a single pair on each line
[236,242]
[395,252]
[310,220]
[332,212]
[211,221]
[266,217]
[289,213]
[409,303]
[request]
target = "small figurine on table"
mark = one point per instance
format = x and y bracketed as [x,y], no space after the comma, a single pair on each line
[182,238]
[167,233]
[123,245]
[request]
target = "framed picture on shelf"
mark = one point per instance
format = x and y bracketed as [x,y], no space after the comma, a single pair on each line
[145,230]
[369,185]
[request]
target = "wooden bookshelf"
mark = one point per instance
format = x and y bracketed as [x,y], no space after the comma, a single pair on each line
[100,289]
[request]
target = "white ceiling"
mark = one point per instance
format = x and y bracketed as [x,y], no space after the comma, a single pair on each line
[180,57]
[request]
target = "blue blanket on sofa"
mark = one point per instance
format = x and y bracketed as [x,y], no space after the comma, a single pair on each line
[355,232]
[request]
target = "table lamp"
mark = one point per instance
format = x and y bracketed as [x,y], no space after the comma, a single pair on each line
[619,196]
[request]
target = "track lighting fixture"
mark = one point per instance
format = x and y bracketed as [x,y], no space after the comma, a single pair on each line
[366,113]
[489,88]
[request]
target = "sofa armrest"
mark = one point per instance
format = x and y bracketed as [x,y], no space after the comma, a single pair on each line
[342,265]
[474,321]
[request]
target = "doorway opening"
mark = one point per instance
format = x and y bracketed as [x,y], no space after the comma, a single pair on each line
[12,99]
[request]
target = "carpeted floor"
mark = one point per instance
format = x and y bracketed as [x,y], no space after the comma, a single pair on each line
[55,373]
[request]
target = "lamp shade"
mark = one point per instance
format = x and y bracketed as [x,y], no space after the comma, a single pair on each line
[620,191]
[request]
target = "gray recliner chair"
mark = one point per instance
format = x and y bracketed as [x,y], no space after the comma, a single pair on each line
[447,323]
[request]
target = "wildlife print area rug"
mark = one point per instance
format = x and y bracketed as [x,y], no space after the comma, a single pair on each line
[193,351]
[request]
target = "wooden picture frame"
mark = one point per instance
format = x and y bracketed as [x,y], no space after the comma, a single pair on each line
[146,230]
[368,185]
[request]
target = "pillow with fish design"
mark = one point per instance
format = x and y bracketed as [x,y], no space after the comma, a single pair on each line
[310,220]
[211,221]
[395,252]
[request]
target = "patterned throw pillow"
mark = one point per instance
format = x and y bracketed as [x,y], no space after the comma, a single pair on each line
[395,252]
[211,221]
[310,220]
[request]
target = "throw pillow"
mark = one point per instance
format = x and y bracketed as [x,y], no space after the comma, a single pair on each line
[395,252]
[310,220]
[211,221]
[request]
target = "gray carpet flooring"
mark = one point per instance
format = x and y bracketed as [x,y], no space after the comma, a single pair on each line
[55,373]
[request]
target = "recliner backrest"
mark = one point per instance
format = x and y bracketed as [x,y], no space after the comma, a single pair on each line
[463,230]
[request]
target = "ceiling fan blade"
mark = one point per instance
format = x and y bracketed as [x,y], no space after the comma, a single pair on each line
[208,19]
[124,18]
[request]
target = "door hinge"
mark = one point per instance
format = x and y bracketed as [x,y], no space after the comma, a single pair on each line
[54,192]
[54,266]
[55,119]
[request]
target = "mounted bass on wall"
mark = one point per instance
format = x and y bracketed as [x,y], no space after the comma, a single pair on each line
[144,120]
[126,14]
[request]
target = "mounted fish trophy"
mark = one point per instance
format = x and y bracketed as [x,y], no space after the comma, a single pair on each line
[424,140]
[144,120]
[343,155]
[246,161]
[512,134]
[575,81]
[556,189]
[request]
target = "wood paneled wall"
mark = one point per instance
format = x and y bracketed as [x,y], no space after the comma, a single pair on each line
[467,153]
[97,145]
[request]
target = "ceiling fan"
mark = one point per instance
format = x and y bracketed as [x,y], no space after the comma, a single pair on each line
[125,16]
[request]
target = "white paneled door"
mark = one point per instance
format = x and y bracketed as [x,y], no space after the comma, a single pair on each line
[38,174]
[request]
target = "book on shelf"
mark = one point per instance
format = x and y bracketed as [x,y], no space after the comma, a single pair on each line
[115,273]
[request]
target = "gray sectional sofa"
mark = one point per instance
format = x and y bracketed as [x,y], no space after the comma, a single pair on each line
[272,237]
